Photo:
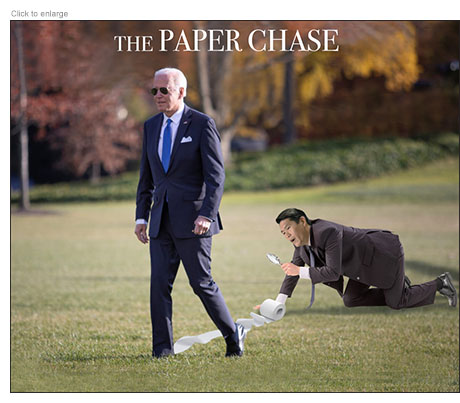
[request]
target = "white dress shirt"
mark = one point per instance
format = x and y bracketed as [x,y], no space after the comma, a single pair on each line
[174,126]
[304,273]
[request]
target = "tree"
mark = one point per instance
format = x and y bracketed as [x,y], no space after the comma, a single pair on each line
[24,138]
[80,87]
[214,70]
[385,49]
[72,101]
[270,89]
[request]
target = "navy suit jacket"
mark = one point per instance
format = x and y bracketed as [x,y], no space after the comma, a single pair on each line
[194,182]
[369,256]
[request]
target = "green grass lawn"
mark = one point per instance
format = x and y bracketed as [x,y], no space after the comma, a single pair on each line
[80,298]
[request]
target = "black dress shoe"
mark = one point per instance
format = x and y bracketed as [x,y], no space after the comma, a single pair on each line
[407,282]
[448,289]
[162,355]
[235,342]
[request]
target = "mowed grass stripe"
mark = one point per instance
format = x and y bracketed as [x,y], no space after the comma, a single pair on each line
[80,303]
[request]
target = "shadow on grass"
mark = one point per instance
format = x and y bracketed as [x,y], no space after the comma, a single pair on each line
[79,357]
[424,268]
[317,309]
[143,279]
[72,357]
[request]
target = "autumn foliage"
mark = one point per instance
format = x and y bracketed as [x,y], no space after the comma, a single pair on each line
[70,100]
[88,101]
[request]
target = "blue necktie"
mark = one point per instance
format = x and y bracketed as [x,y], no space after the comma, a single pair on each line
[166,152]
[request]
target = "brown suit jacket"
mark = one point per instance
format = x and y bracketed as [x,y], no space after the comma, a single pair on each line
[369,256]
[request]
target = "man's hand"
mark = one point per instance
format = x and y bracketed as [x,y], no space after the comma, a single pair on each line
[290,269]
[141,233]
[202,225]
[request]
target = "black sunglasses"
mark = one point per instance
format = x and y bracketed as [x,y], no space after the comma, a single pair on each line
[163,90]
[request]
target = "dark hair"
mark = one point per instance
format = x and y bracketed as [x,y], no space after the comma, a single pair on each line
[292,214]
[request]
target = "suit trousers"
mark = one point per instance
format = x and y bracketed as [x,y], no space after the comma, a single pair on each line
[166,253]
[398,296]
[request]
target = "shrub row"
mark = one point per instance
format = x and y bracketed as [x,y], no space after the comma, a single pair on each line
[313,163]
[117,188]
[302,164]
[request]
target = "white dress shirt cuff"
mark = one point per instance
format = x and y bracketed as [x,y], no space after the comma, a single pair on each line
[281,298]
[141,221]
[207,218]
[305,273]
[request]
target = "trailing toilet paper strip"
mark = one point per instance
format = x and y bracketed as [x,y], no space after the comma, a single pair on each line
[271,311]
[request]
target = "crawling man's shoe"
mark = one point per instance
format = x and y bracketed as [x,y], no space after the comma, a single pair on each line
[448,289]
[407,282]
[235,342]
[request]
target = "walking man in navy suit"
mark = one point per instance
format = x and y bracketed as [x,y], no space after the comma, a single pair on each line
[182,173]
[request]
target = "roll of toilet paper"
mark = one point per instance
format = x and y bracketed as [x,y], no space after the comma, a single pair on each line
[272,309]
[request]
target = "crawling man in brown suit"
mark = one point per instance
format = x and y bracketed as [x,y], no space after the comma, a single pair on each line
[368,257]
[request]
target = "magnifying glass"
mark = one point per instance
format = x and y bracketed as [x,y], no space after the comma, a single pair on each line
[274,259]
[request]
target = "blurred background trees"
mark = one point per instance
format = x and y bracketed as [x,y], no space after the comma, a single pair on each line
[86,102]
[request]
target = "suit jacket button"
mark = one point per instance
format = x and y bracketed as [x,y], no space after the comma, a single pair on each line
[357,278]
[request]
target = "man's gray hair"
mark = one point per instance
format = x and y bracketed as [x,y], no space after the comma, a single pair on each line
[178,77]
